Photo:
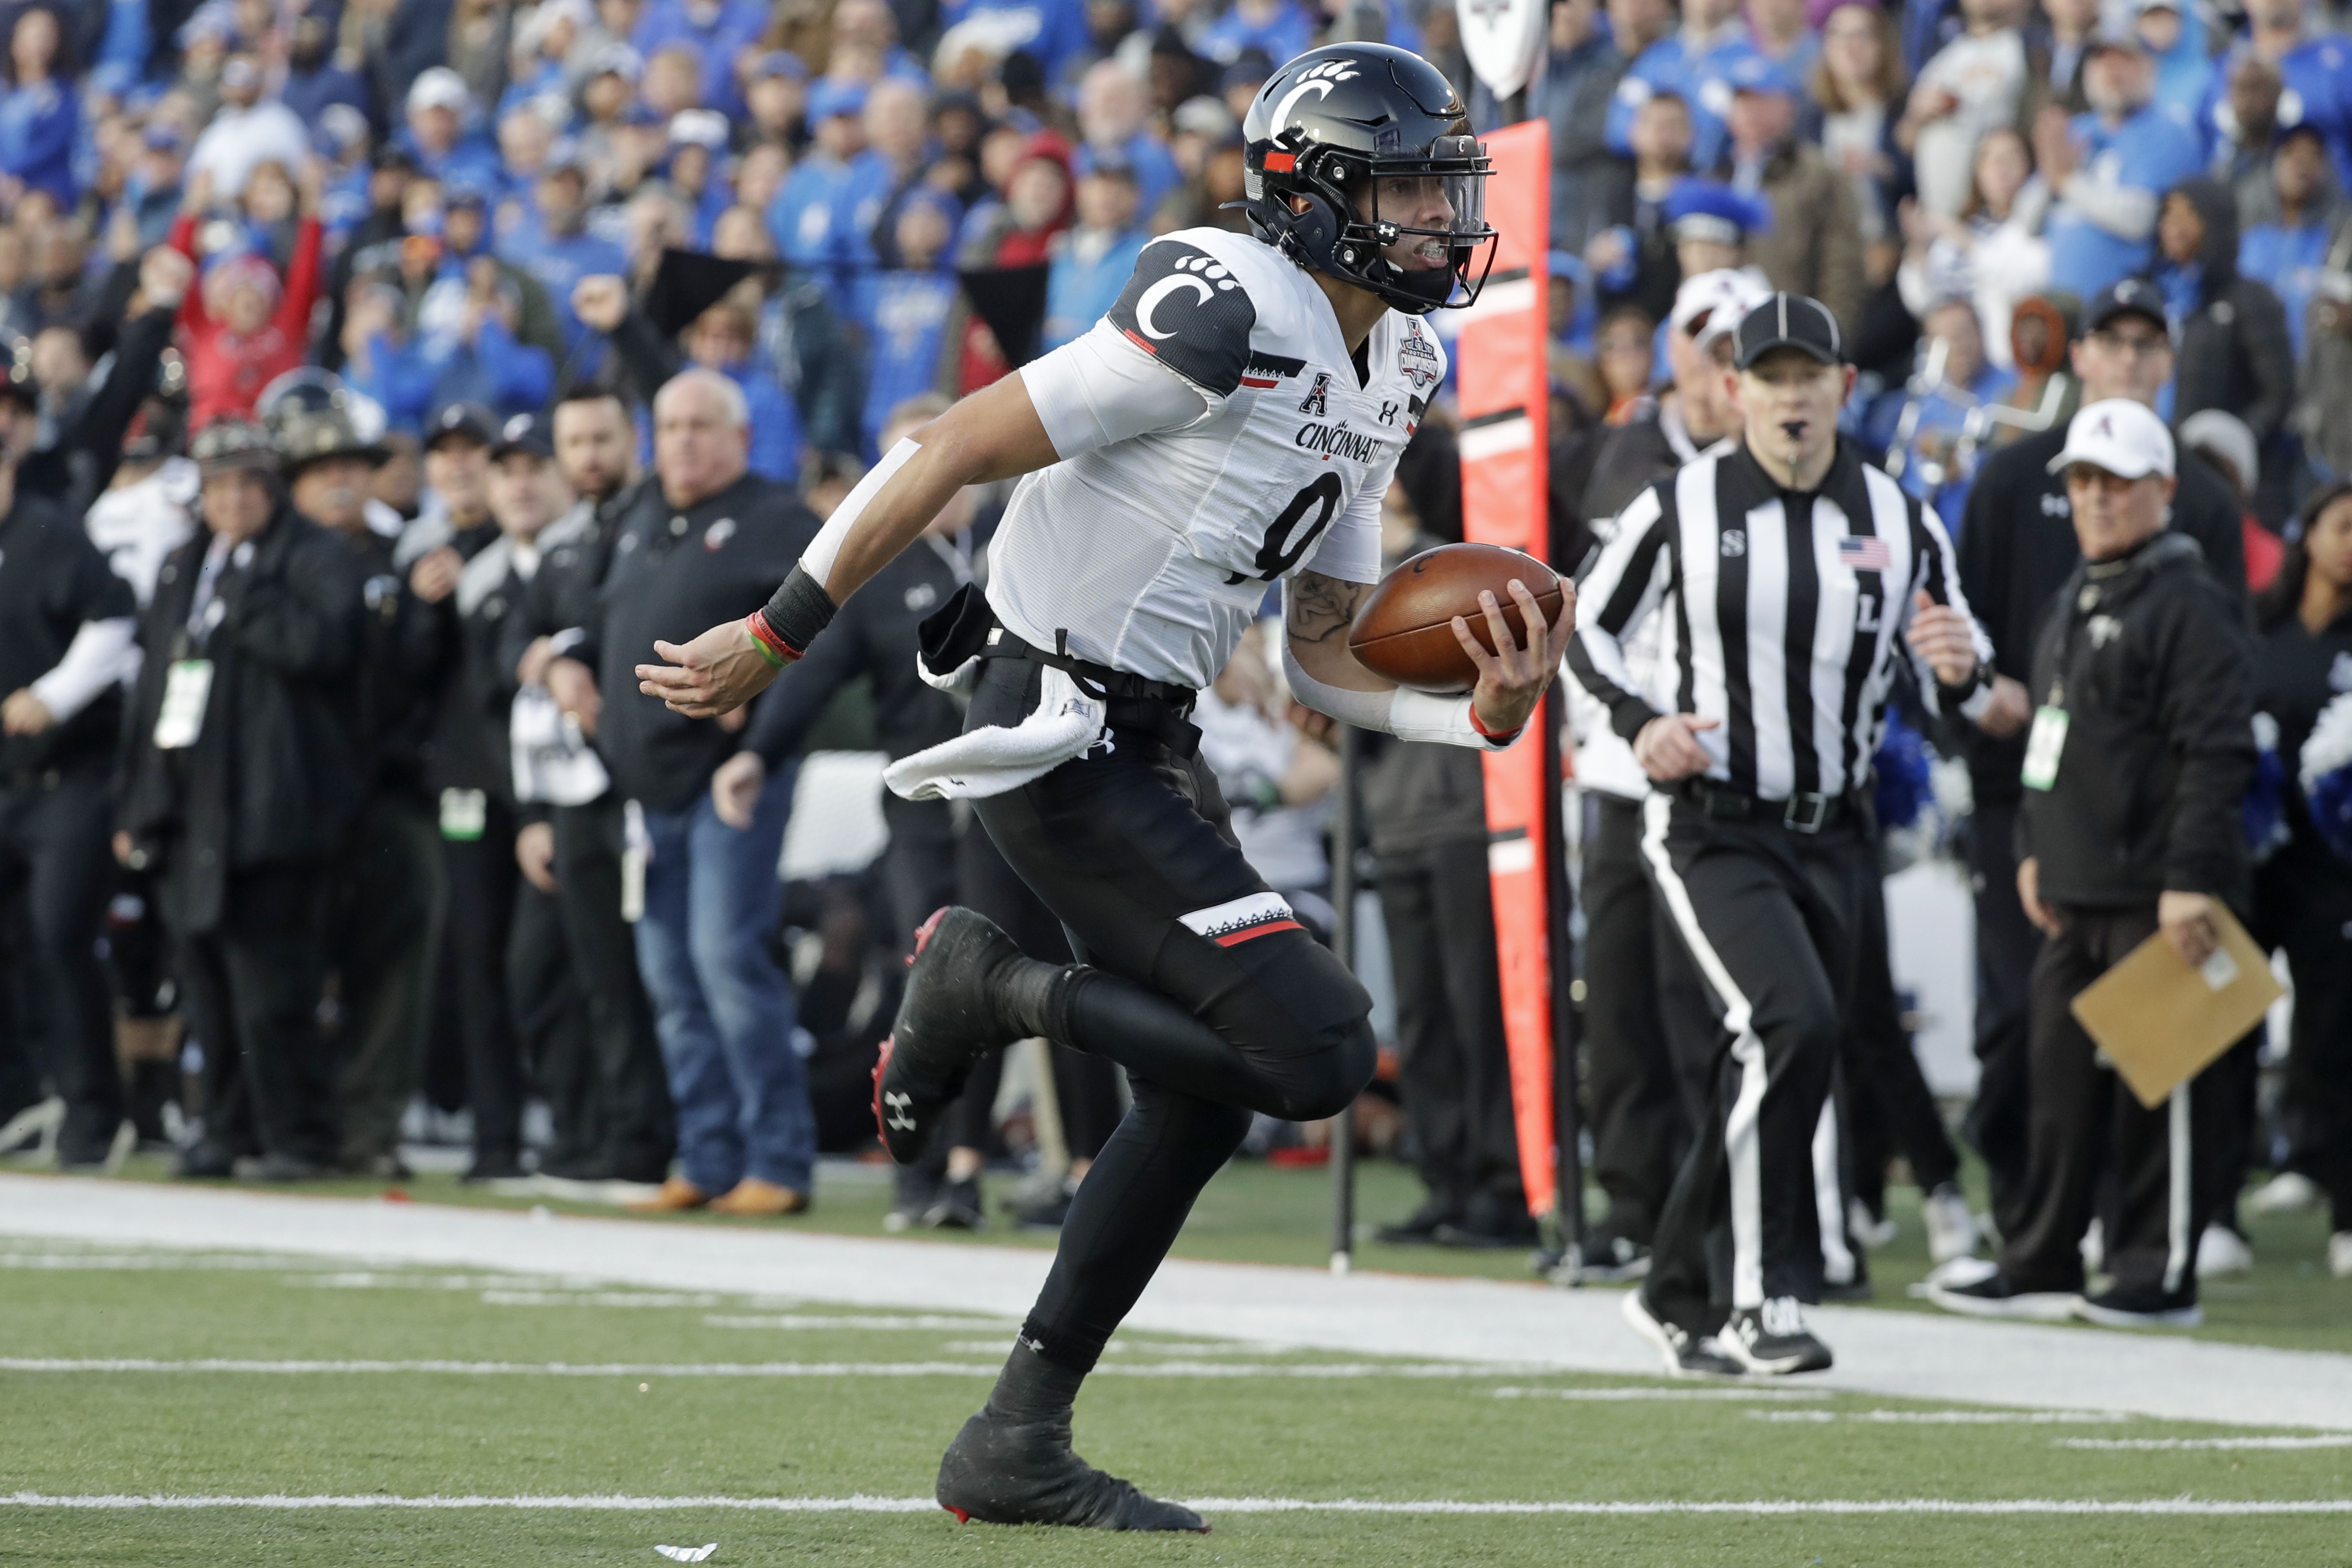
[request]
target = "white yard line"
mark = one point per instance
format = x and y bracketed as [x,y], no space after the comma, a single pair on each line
[2254,1443]
[1906,1354]
[2168,1506]
[1952,1417]
[1310,1371]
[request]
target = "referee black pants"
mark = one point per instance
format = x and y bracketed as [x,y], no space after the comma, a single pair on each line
[2085,1122]
[1770,917]
[1640,1127]
[1215,1007]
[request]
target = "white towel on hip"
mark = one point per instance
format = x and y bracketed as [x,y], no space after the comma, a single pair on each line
[1065,723]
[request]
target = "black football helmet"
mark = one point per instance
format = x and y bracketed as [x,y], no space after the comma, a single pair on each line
[1335,126]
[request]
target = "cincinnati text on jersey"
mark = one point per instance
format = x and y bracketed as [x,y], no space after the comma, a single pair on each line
[1336,441]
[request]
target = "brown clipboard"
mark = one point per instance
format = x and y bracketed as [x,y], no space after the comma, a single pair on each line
[2160,1021]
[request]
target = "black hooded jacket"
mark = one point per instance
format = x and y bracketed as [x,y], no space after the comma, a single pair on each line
[2234,351]
[2151,661]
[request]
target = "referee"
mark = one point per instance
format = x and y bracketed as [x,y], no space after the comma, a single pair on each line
[1786,570]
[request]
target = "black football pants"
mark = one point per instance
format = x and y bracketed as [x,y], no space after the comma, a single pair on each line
[55,862]
[2085,1122]
[2007,946]
[1770,917]
[253,983]
[634,1129]
[1893,1111]
[387,908]
[1214,1011]
[2306,909]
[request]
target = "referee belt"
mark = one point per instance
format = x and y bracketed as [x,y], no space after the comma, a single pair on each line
[1805,812]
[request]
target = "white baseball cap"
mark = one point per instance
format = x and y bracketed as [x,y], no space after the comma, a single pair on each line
[1722,296]
[2123,438]
[438,87]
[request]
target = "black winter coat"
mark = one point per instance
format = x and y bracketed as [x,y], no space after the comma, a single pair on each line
[2234,353]
[2018,545]
[2154,666]
[275,775]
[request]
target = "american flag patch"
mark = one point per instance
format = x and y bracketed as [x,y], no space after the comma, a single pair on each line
[1866,553]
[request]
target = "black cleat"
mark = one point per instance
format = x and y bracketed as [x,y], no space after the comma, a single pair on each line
[1002,1472]
[957,1206]
[1773,1340]
[1686,1354]
[946,1020]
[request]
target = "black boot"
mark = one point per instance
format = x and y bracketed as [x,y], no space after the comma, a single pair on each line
[948,1015]
[1012,1463]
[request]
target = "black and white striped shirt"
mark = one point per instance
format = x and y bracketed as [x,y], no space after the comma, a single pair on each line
[1784,616]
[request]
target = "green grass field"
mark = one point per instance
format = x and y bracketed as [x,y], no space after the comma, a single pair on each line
[410,1433]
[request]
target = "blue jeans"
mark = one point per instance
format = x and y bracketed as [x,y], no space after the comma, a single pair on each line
[723,1008]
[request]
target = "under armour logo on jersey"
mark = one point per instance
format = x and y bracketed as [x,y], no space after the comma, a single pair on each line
[1318,396]
[1735,544]
[900,1105]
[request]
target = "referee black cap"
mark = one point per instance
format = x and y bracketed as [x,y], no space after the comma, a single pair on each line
[1790,322]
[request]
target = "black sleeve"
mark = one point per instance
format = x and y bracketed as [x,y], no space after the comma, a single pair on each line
[648,361]
[304,623]
[1186,309]
[1983,551]
[91,592]
[108,416]
[2207,705]
[2205,510]
[2270,357]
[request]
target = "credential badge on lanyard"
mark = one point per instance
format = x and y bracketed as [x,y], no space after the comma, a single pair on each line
[180,718]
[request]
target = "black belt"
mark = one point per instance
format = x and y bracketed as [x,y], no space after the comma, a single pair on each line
[1802,813]
[965,628]
[1131,702]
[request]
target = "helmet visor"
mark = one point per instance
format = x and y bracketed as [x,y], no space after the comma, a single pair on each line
[1431,216]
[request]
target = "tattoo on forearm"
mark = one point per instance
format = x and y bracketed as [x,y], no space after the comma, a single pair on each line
[1321,608]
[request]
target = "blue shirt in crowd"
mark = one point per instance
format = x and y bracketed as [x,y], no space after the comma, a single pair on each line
[905,313]
[2316,78]
[1051,30]
[1088,271]
[801,217]
[735,26]
[1290,30]
[2152,151]
[38,125]
[2292,261]
[1700,75]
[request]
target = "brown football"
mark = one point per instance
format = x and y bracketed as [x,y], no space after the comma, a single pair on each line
[1405,630]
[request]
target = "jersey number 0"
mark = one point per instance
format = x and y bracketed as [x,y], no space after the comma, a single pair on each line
[1280,552]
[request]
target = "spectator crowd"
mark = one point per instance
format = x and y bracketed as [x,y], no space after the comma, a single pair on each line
[386,376]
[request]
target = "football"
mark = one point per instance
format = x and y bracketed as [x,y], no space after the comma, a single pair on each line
[1405,631]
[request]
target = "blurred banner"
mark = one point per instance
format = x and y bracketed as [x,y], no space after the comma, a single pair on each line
[1503,384]
[1504,40]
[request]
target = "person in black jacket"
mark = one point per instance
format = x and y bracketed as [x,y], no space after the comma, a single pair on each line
[65,628]
[2303,893]
[572,836]
[2135,779]
[2234,350]
[2016,548]
[707,543]
[240,781]
[389,894]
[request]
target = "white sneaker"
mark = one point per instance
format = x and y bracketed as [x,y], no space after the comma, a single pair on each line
[2289,1192]
[2339,1255]
[1871,1233]
[1951,1228]
[2094,1247]
[2222,1250]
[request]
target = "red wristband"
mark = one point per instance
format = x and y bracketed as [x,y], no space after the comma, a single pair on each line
[778,651]
[1505,736]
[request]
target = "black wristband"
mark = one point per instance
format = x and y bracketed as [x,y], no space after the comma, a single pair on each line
[799,611]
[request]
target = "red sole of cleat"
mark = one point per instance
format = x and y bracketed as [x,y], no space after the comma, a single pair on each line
[923,934]
[961,1517]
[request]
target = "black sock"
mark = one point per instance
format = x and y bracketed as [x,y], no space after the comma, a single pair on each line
[1034,997]
[1032,1388]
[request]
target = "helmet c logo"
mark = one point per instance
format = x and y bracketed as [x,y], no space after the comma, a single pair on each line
[1282,106]
[1161,290]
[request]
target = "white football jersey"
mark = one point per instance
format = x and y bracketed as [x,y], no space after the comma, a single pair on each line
[1152,543]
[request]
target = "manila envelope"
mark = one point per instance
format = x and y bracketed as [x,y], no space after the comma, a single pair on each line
[2159,1021]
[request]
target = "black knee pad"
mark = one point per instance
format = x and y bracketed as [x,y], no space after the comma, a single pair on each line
[1328,1081]
[1302,1017]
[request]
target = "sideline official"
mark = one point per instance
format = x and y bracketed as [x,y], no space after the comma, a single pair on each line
[1793,573]
[2135,778]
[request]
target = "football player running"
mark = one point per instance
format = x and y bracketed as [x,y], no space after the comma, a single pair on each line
[1235,420]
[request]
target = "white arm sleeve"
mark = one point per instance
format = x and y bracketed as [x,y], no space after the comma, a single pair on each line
[2127,212]
[1407,714]
[1100,388]
[817,559]
[100,654]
